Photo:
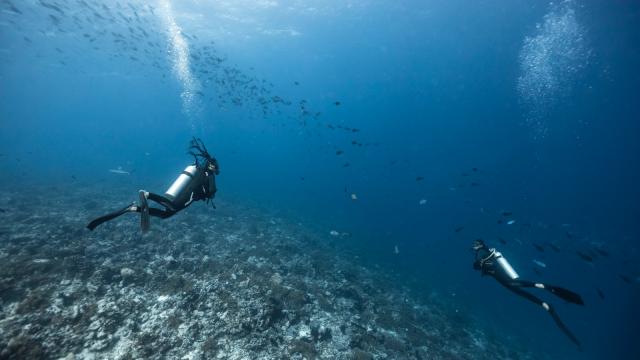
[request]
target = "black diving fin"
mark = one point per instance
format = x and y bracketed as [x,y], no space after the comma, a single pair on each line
[129,208]
[565,294]
[145,222]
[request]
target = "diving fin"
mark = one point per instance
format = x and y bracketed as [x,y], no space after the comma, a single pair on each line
[129,208]
[145,222]
[564,328]
[565,294]
[558,291]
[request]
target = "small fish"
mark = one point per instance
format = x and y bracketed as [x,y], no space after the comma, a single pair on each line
[538,247]
[625,278]
[73,177]
[584,256]
[2,210]
[419,178]
[499,221]
[302,178]
[506,213]
[539,263]
[511,222]
[602,252]
[554,247]
[334,233]
[346,164]
[396,250]
[339,152]
[600,293]
[296,83]
[422,201]
[337,103]
[13,8]
[502,241]
[354,197]
[54,19]
[474,184]
[52,7]
[459,228]
[474,169]
[119,171]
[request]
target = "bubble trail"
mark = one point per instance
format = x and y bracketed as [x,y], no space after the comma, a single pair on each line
[180,56]
[550,61]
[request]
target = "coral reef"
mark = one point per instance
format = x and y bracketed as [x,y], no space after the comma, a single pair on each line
[235,283]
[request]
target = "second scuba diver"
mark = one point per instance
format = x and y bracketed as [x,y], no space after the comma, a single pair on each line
[491,262]
[196,182]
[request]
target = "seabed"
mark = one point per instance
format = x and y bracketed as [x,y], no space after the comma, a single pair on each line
[234,283]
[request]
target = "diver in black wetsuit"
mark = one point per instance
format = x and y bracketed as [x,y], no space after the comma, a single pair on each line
[197,182]
[491,262]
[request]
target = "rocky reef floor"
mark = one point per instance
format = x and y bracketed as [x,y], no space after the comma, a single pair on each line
[234,283]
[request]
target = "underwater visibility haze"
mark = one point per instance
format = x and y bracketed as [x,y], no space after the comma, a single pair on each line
[437,179]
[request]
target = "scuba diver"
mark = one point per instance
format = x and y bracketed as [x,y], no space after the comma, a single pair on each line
[196,182]
[491,262]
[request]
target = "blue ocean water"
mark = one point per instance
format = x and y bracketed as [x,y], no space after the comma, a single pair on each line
[413,126]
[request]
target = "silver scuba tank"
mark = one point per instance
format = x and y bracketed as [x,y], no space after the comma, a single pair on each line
[181,182]
[504,264]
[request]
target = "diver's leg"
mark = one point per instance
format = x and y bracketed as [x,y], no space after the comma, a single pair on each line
[160,200]
[562,293]
[548,308]
[526,295]
[163,214]
[129,208]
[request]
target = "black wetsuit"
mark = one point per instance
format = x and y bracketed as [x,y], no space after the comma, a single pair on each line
[202,186]
[486,261]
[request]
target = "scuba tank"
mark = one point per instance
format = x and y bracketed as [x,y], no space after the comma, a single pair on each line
[181,182]
[505,266]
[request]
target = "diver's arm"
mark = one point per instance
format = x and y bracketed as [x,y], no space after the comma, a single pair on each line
[212,186]
[479,263]
[487,264]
